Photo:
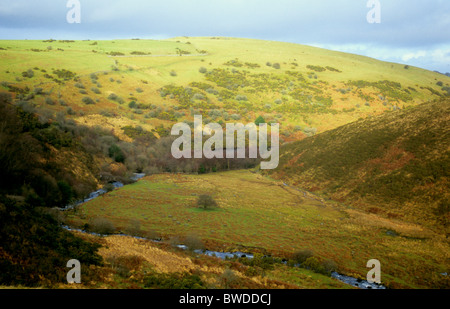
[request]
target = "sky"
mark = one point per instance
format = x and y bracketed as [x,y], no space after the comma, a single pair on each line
[414,32]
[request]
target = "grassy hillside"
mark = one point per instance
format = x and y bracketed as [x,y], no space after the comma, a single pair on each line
[305,89]
[396,164]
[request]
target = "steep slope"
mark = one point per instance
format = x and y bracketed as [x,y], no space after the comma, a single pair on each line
[396,164]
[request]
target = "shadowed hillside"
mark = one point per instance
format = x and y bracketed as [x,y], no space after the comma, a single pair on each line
[396,164]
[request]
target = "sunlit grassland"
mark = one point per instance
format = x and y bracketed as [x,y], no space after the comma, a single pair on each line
[262,215]
[160,65]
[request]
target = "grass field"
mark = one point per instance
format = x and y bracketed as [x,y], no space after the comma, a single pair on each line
[312,88]
[261,215]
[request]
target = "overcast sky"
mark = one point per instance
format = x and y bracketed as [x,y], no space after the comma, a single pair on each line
[416,32]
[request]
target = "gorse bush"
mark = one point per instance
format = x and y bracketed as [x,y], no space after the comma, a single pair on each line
[101,226]
[206,202]
[88,101]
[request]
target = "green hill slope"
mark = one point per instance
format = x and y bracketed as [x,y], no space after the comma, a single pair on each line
[151,83]
[396,164]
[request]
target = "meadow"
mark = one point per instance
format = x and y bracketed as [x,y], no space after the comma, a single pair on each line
[259,215]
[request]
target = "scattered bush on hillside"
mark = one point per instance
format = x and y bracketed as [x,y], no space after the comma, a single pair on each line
[87,101]
[240,97]
[49,101]
[96,90]
[113,53]
[316,68]
[193,242]
[101,226]
[302,255]
[206,202]
[116,98]
[64,74]
[28,74]
[134,228]
[260,120]
[116,153]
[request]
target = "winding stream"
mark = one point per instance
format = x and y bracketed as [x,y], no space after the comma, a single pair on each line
[362,284]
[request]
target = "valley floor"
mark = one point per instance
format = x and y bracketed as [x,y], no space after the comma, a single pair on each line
[259,215]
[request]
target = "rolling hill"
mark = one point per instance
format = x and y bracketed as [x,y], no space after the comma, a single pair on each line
[363,167]
[151,83]
[395,164]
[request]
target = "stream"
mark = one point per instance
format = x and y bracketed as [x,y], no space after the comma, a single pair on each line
[362,284]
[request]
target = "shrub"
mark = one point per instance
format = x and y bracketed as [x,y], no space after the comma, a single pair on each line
[116,153]
[29,73]
[440,84]
[236,117]
[260,120]
[302,255]
[49,101]
[203,70]
[173,73]
[193,242]
[312,263]
[206,202]
[95,90]
[113,97]
[38,90]
[101,226]
[70,111]
[276,66]
[132,104]
[79,85]
[316,68]
[240,97]
[87,101]
[139,90]
[329,266]
[134,228]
